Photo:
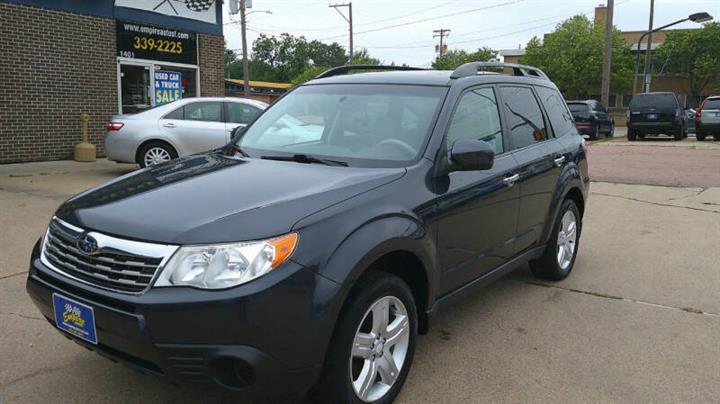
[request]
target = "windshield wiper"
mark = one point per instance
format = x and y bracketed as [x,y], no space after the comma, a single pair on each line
[304,158]
[238,149]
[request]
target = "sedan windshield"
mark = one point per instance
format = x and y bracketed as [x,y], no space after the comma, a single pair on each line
[361,125]
[578,107]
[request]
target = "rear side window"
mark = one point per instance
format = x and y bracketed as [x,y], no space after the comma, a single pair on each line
[653,100]
[241,113]
[204,111]
[477,117]
[177,114]
[560,118]
[524,116]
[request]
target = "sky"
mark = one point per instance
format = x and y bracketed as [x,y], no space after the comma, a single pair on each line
[401,31]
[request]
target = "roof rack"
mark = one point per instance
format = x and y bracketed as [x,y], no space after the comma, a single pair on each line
[336,71]
[472,68]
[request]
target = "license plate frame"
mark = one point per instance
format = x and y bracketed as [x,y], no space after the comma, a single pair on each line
[652,117]
[75,318]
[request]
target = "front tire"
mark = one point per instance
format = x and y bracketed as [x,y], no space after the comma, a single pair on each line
[559,256]
[372,349]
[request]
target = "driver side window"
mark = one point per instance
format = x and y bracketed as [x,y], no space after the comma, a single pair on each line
[477,117]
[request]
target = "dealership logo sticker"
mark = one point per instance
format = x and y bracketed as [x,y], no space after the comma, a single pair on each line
[75,318]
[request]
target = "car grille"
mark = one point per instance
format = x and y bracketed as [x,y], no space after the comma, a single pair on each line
[115,265]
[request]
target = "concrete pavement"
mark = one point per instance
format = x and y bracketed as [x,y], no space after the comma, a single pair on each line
[638,320]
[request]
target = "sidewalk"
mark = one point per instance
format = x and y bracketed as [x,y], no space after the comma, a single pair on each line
[60,167]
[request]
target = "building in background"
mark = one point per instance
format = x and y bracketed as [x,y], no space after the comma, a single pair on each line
[618,103]
[265,91]
[62,58]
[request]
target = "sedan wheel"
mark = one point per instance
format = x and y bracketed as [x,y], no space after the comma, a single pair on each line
[156,155]
[155,152]
[379,348]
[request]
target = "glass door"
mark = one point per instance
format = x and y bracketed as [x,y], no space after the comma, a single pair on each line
[135,88]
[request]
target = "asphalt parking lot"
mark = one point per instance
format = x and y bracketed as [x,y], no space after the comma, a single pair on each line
[637,321]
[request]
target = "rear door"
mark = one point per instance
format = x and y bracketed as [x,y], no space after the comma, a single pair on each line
[536,153]
[478,212]
[200,128]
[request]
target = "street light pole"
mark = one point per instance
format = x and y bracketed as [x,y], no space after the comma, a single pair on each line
[697,17]
[607,61]
[349,19]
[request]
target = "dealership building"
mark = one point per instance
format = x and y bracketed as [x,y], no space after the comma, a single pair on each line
[60,59]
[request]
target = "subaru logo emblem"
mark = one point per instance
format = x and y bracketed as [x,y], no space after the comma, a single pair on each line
[87,244]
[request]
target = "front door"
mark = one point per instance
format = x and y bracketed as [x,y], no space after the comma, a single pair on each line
[135,87]
[478,212]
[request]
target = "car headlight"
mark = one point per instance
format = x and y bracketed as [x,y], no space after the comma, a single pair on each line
[225,265]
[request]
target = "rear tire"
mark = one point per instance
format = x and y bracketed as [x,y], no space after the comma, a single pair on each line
[348,359]
[632,135]
[559,256]
[700,136]
[595,133]
[611,134]
[678,135]
[155,152]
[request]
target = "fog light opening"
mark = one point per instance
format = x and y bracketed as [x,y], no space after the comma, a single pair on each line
[233,372]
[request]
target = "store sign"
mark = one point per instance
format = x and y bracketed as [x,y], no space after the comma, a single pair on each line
[139,41]
[168,86]
[201,10]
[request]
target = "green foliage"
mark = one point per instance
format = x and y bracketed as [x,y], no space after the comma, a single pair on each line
[693,55]
[572,56]
[308,74]
[362,57]
[451,60]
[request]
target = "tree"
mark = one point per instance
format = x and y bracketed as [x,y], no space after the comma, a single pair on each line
[362,57]
[307,75]
[572,56]
[453,59]
[693,55]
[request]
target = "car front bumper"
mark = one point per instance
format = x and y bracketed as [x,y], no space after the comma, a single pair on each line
[264,338]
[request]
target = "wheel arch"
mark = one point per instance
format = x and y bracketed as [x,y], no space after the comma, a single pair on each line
[147,141]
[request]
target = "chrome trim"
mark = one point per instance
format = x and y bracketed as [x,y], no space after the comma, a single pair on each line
[113,245]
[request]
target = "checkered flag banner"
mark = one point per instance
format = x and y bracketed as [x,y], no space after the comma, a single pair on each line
[199,5]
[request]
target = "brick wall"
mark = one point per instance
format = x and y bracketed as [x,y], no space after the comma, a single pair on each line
[211,49]
[53,67]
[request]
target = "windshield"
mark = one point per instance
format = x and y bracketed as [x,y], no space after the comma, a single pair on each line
[362,125]
[653,100]
[578,107]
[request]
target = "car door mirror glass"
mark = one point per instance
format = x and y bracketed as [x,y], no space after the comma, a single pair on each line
[471,155]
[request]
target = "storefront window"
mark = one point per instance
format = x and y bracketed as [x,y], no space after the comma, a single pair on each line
[135,88]
[188,79]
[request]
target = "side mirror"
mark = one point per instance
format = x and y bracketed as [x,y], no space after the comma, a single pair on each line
[236,133]
[471,155]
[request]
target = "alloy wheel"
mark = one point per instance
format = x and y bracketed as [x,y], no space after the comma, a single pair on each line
[156,155]
[379,348]
[567,239]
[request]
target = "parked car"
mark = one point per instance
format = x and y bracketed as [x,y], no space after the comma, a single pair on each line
[180,128]
[592,118]
[654,114]
[707,119]
[277,267]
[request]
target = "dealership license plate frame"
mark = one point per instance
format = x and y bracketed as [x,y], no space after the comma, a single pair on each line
[75,312]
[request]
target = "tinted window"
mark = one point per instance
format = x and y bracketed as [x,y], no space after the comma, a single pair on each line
[204,111]
[712,104]
[477,117]
[177,114]
[524,117]
[578,107]
[560,118]
[241,113]
[653,100]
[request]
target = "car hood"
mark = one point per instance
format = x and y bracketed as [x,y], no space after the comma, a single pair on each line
[212,198]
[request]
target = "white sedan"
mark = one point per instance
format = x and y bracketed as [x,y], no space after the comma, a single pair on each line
[180,128]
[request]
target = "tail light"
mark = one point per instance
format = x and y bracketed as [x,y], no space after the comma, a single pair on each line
[584,146]
[113,126]
[698,112]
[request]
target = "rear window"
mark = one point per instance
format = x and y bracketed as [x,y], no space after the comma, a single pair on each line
[578,107]
[653,100]
[712,104]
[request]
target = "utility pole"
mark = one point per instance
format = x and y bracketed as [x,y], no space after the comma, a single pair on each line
[442,33]
[607,61]
[246,73]
[647,71]
[349,19]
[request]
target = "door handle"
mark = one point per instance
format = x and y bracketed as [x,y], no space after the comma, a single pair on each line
[510,181]
[559,161]
[169,125]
